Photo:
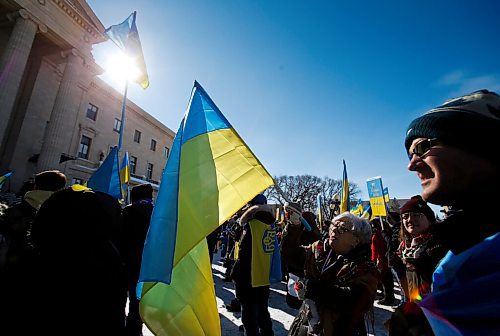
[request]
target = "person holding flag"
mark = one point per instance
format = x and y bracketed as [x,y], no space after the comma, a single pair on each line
[255,268]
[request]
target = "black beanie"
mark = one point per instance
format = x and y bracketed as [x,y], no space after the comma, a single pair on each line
[470,122]
[417,204]
[140,192]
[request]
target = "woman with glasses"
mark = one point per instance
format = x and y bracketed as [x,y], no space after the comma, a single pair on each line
[418,250]
[340,281]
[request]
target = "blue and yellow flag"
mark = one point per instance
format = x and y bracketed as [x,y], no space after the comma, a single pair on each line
[126,37]
[367,214]
[124,174]
[319,210]
[344,201]
[358,208]
[4,178]
[210,174]
[107,177]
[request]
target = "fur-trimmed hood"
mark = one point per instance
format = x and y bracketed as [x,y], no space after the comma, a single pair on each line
[250,213]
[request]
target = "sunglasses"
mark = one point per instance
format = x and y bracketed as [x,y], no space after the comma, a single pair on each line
[422,148]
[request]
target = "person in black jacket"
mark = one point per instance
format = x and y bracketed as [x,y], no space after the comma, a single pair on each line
[252,283]
[136,218]
[81,287]
[18,268]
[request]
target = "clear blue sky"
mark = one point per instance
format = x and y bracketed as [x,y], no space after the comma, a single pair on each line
[309,83]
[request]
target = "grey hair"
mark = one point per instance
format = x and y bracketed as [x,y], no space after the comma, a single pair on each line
[361,228]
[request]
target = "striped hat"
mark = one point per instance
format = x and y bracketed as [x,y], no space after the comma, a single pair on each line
[470,122]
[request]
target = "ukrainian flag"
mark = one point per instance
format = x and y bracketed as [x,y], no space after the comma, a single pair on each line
[107,177]
[358,208]
[367,214]
[4,178]
[124,174]
[126,36]
[319,210]
[344,201]
[210,174]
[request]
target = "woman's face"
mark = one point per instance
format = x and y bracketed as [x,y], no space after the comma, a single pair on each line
[415,223]
[341,237]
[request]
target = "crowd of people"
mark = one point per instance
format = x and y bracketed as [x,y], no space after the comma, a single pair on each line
[74,254]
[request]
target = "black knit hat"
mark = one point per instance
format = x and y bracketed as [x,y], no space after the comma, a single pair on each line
[470,122]
[417,204]
[140,192]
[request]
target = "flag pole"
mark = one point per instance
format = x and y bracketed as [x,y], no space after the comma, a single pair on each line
[124,105]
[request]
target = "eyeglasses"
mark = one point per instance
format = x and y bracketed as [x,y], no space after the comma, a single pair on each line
[407,215]
[423,147]
[339,228]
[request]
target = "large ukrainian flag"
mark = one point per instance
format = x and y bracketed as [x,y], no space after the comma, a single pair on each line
[210,174]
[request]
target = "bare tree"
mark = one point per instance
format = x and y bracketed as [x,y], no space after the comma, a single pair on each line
[305,188]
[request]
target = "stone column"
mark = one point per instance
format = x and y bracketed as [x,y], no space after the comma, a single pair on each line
[13,62]
[64,114]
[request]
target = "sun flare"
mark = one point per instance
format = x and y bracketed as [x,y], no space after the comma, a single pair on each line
[120,67]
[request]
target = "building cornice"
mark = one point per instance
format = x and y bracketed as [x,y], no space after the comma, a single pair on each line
[80,20]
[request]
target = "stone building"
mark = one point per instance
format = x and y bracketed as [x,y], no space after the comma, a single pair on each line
[55,113]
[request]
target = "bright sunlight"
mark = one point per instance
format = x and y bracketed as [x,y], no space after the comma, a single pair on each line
[120,67]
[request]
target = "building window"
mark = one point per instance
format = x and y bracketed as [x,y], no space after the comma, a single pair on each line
[137,136]
[153,145]
[166,151]
[83,150]
[117,125]
[149,173]
[92,111]
[133,164]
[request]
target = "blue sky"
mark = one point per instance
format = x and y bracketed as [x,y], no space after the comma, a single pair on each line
[309,83]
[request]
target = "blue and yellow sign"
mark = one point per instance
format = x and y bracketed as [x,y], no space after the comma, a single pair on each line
[386,195]
[376,194]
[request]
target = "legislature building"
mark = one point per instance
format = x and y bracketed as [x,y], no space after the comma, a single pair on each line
[55,113]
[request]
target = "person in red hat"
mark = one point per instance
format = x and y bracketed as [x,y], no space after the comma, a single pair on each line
[418,250]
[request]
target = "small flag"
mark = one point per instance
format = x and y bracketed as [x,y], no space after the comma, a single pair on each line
[107,177]
[367,214]
[126,37]
[344,201]
[124,174]
[4,178]
[320,210]
[358,208]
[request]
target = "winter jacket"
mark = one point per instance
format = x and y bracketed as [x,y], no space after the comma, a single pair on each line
[420,255]
[242,269]
[293,236]
[136,218]
[342,287]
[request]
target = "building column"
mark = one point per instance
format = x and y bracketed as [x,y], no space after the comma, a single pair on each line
[63,116]
[13,62]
